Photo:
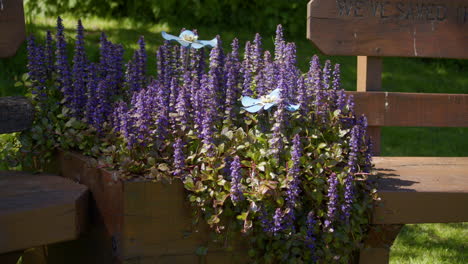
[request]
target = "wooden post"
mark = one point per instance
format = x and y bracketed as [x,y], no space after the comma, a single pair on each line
[377,245]
[376,248]
[369,78]
[12,27]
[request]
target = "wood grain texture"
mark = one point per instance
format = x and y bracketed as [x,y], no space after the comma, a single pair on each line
[12,27]
[16,114]
[412,109]
[421,190]
[403,28]
[39,209]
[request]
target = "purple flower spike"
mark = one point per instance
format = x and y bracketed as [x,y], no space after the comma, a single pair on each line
[326,75]
[256,54]
[279,44]
[332,203]
[80,61]
[336,83]
[179,158]
[63,68]
[236,178]
[36,68]
[311,234]
[136,69]
[293,190]
[349,180]
[49,54]
[277,222]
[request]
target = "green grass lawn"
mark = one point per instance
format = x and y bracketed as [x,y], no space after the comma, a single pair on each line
[428,243]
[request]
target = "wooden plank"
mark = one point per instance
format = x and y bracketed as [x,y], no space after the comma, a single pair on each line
[412,109]
[16,114]
[421,190]
[39,209]
[369,78]
[12,27]
[404,28]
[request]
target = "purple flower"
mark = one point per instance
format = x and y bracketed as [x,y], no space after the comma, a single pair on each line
[182,107]
[350,103]
[217,77]
[293,190]
[63,68]
[136,69]
[290,72]
[311,223]
[174,88]
[231,70]
[49,54]
[80,61]
[162,121]
[332,203]
[303,96]
[236,178]
[340,99]
[268,76]
[179,158]
[326,75]
[37,70]
[207,132]
[278,222]
[246,70]
[348,182]
[256,54]
[103,108]
[118,116]
[91,90]
[279,44]
[336,83]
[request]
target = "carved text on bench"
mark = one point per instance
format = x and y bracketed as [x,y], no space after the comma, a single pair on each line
[402,10]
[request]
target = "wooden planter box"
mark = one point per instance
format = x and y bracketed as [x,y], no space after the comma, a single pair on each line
[137,221]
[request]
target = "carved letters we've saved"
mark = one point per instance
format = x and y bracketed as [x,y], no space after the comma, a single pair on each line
[408,28]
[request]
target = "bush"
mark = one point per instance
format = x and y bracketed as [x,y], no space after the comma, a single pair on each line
[257,15]
[262,149]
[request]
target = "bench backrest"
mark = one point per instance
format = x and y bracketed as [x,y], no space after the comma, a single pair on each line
[374,29]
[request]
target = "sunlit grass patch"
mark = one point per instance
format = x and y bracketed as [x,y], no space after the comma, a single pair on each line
[431,244]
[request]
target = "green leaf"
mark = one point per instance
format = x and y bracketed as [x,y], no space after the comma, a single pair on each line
[322,145]
[163,167]
[242,216]
[214,219]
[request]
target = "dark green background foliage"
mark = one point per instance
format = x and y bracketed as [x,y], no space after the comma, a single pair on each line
[257,15]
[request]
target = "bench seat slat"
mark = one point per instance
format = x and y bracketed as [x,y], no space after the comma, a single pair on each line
[421,190]
[39,209]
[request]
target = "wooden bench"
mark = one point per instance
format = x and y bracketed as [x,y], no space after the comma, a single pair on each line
[39,209]
[412,189]
[35,209]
